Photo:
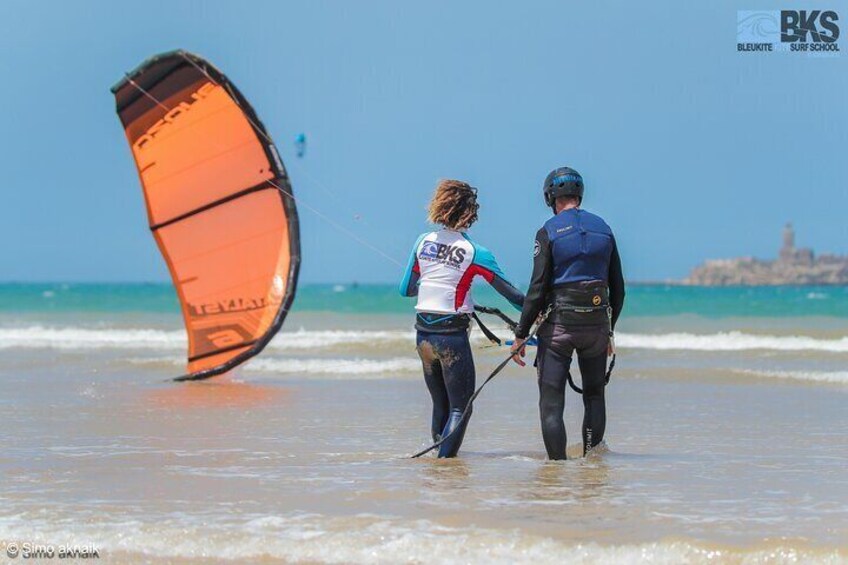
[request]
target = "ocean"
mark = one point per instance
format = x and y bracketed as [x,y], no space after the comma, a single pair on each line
[726,437]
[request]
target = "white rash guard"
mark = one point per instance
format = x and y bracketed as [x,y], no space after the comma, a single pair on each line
[441,268]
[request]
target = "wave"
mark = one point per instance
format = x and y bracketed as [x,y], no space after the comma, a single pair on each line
[343,368]
[730,341]
[72,338]
[84,338]
[363,538]
[834,377]
[69,338]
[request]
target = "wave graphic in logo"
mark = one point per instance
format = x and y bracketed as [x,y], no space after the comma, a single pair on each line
[758,26]
[429,250]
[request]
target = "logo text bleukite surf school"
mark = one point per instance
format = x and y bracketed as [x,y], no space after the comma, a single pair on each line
[450,255]
[788,31]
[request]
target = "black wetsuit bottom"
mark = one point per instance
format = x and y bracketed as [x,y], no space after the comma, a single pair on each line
[557,344]
[449,373]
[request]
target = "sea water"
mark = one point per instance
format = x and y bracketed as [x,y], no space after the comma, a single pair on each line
[725,439]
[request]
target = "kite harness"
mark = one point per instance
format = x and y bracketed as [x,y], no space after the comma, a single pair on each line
[531,340]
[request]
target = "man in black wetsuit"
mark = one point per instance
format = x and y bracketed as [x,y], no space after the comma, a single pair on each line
[577,279]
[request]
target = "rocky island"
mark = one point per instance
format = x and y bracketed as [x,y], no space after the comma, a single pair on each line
[793,266]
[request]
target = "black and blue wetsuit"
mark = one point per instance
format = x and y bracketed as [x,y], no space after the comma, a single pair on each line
[441,268]
[577,273]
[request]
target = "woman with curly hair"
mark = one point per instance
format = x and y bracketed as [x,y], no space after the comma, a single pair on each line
[441,267]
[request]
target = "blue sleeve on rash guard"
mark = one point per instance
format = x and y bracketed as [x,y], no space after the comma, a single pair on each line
[485,259]
[409,282]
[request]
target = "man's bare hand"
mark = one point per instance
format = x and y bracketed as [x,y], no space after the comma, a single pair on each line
[518,349]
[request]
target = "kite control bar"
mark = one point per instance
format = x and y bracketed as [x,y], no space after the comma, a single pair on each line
[512,324]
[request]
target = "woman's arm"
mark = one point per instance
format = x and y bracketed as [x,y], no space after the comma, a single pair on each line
[487,267]
[412,274]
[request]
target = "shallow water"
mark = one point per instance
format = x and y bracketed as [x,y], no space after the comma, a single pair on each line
[726,437]
[726,442]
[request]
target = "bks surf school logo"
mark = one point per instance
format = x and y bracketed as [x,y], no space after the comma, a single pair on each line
[450,255]
[787,31]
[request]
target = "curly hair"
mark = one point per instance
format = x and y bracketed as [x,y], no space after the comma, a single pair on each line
[454,205]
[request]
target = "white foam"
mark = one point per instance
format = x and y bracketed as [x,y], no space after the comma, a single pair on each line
[730,341]
[834,377]
[321,366]
[371,539]
[85,338]
[340,367]
[70,338]
[313,339]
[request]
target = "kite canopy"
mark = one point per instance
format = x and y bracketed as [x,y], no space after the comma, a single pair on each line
[219,204]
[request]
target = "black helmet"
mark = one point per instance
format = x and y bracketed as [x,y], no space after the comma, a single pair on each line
[563,181]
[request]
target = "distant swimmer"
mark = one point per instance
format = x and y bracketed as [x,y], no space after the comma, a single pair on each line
[300,144]
[441,267]
[577,279]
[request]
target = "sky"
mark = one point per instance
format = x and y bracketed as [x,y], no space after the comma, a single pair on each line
[688,149]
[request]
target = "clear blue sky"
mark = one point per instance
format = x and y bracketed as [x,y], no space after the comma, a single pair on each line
[689,149]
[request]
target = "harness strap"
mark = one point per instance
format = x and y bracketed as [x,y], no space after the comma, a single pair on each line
[608,374]
[486,331]
[609,371]
[612,343]
[496,312]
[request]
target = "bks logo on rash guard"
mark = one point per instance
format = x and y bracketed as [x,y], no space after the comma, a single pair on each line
[448,254]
